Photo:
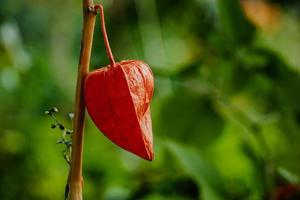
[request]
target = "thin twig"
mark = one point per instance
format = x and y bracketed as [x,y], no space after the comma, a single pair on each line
[75,176]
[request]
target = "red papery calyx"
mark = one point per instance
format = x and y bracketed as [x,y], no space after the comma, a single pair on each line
[117,98]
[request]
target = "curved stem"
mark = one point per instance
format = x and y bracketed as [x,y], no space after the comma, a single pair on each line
[105,38]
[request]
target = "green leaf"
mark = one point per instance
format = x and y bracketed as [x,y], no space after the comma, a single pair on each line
[233,22]
[196,167]
[189,118]
[285,41]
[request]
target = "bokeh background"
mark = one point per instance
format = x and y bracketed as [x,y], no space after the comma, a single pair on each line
[226,108]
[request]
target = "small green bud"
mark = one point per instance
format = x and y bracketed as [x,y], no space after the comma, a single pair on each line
[61,127]
[54,109]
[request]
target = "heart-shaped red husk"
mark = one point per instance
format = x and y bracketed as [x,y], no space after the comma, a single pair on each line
[117,99]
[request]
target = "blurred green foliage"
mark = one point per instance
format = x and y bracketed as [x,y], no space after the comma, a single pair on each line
[226,112]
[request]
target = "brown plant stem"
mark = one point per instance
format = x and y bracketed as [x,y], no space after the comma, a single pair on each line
[75,181]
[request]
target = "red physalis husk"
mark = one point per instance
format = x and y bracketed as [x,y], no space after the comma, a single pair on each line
[117,98]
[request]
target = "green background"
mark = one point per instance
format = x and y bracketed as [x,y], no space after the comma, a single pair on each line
[226,108]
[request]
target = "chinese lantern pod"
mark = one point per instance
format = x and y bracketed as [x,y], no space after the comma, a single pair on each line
[117,99]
